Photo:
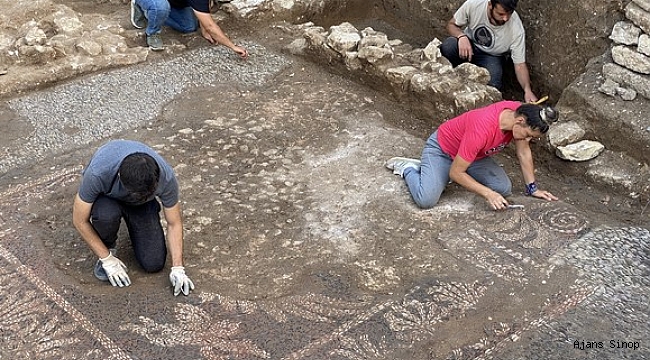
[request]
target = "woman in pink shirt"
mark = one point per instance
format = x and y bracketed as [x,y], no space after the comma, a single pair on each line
[461,149]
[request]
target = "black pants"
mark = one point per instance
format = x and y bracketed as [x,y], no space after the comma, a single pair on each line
[143,223]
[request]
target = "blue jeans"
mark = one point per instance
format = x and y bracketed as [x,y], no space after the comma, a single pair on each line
[159,13]
[494,64]
[143,223]
[427,184]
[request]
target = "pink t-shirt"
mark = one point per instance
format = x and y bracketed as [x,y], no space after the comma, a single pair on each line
[475,134]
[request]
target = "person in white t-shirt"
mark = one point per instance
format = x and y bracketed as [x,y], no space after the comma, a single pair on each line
[483,32]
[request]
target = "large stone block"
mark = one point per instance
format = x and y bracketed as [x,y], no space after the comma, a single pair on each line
[639,17]
[640,83]
[624,32]
[631,59]
[63,44]
[644,4]
[371,37]
[474,96]
[111,43]
[352,61]
[432,50]
[131,56]
[280,5]
[316,36]
[617,170]
[644,44]
[565,133]
[401,76]
[608,87]
[437,67]
[581,151]
[421,82]
[37,54]
[374,54]
[474,73]
[343,38]
[87,46]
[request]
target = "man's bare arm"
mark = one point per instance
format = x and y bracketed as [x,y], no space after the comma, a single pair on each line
[175,233]
[453,29]
[465,50]
[81,220]
[523,77]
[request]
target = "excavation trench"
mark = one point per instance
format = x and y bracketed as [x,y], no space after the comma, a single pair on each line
[567,44]
[301,244]
[561,37]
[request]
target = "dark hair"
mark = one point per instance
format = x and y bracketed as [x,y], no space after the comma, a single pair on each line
[507,5]
[139,173]
[537,117]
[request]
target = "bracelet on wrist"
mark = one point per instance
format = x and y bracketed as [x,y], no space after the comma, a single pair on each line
[460,36]
[531,188]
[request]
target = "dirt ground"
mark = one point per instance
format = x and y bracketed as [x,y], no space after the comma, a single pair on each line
[302,245]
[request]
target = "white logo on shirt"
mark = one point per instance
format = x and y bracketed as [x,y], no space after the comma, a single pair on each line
[484,36]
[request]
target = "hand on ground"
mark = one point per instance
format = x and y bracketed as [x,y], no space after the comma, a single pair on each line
[542,194]
[497,201]
[180,281]
[115,270]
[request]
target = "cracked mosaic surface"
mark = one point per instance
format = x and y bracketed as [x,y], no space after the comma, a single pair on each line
[301,245]
[353,325]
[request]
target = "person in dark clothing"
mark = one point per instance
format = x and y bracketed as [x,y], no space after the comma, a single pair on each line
[124,180]
[181,15]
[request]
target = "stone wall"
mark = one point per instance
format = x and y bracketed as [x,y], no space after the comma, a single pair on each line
[42,42]
[629,72]
[561,36]
[411,74]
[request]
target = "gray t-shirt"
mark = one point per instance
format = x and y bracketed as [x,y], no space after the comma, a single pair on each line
[494,40]
[100,176]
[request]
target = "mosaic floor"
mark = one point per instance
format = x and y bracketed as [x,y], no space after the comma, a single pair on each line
[47,317]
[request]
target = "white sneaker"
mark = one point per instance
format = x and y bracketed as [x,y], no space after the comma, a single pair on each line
[399,164]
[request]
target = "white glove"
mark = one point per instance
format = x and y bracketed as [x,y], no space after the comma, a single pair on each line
[180,281]
[115,270]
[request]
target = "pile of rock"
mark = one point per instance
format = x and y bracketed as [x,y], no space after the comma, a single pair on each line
[424,74]
[626,75]
[609,102]
[567,139]
[398,68]
[41,41]
[629,74]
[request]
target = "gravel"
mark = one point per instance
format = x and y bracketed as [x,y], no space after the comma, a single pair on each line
[94,107]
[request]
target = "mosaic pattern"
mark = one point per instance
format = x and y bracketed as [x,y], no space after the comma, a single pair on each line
[273,235]
[35,320]
[38,323]
[500,335]
[512,244]
[196,327]
[360,328]
[412,319]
